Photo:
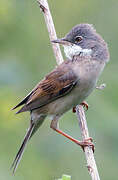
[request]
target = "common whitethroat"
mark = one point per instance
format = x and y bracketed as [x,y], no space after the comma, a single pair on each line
[68,84]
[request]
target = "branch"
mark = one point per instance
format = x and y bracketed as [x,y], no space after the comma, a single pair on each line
[91,164]
[51,29]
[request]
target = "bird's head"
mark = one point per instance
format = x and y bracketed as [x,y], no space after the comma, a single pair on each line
[83,40]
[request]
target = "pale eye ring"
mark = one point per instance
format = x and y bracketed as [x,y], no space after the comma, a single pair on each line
[78,38]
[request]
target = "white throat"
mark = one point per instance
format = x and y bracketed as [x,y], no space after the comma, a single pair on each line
[74,50]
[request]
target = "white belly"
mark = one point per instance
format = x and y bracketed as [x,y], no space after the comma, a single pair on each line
[78,94]
[86,83]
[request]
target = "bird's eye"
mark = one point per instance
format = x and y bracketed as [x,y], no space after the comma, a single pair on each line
[78,38]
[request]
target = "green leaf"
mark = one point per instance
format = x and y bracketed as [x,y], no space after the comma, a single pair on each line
[65,177]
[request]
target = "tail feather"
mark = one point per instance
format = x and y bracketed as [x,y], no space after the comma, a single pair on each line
[22,148]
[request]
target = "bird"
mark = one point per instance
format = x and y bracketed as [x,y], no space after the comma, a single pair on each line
[68,85]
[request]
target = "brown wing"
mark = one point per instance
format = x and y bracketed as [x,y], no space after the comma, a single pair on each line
[57,84]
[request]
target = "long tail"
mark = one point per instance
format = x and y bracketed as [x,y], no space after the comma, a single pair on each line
[22,148]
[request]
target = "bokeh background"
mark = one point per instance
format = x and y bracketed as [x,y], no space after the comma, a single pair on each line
[25,57]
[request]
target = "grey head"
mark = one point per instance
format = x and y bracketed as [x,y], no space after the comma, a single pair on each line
[83,40]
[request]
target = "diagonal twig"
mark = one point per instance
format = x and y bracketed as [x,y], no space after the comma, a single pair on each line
[91,164]
[51,29]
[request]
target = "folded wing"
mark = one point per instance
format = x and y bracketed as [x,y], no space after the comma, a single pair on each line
[55,85]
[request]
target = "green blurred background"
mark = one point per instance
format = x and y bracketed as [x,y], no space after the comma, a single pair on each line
[25,57]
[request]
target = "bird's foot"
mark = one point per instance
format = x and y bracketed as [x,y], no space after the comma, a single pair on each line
[74,110]
[87,142]
[84,104]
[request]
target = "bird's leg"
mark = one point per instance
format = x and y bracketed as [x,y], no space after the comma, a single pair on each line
[84,104]
[82,144]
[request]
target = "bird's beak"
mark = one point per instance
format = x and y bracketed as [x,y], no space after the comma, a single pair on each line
[61,41]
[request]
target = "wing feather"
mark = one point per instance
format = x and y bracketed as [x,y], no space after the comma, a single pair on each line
[55,85]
